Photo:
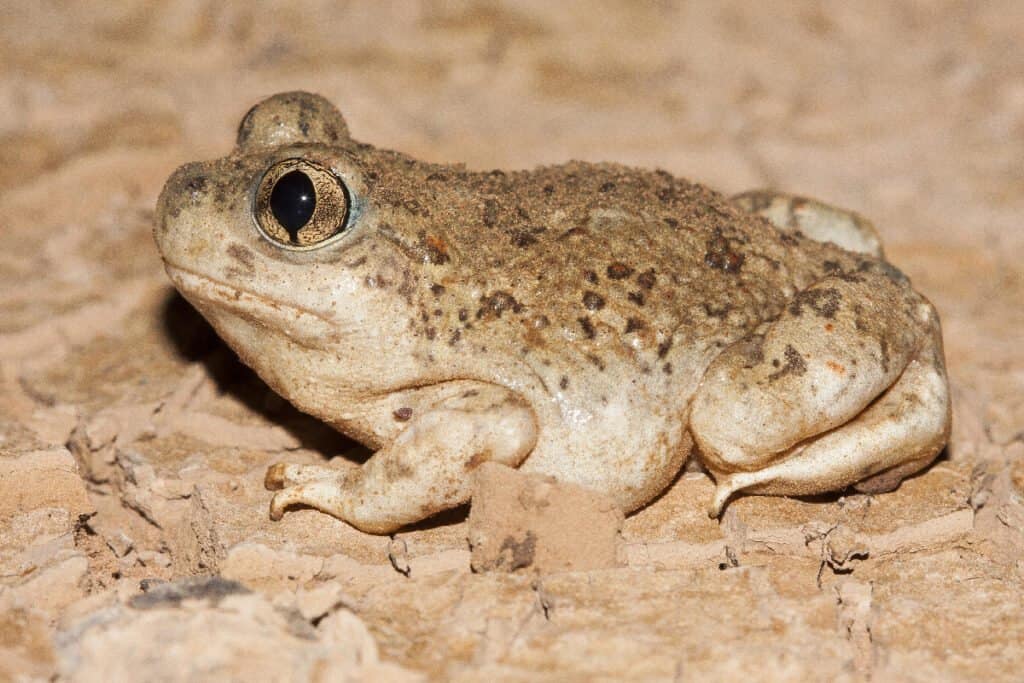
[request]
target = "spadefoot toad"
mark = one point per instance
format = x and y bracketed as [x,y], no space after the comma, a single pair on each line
[592,322]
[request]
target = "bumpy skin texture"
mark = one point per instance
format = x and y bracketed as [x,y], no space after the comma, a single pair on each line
[587,321]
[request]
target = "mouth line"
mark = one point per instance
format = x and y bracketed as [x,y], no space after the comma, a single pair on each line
[232,296]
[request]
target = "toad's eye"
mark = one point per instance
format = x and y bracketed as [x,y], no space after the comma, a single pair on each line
[300,205]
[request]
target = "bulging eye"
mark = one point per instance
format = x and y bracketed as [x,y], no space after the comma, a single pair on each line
[300,205]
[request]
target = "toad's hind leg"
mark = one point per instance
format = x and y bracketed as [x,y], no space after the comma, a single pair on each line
[817,220]
[898,435]
[852,390]
[427,468]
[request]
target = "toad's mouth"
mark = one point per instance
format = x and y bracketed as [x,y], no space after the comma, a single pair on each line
[212,297]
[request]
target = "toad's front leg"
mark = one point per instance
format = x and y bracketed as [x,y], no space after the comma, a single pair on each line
[425,470]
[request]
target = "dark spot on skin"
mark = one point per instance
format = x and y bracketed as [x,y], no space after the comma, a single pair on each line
[437,176]
[241,254]
[757,201]
[476,460]
[667,368]
[519,553]
[619,271]
[358,262]
[549,189]
[717,312]
[847,277]
[752,350]
[666,195]
[595,361]
[415,208]
[795,364]
[437,290]
[636,297]
[490,216]
[470,394]
[402,414]
[884,348]
[454,339]
[607,187]
[824,302]
[196,184]
[646,279]
[591,277]
[573,232]
[593,301]
[522,238]
[720,212]
[835,269]
[494,305]
[588,327]
[663,348]
[671,222]
[376,282]
[435,250]
[563,383]
[463,315]
[892,272]
[438,312]
[721,253]
[407,287]
[634,325]
[790,239]
[431,333]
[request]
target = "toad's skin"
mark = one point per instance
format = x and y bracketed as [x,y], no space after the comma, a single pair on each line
[589,322]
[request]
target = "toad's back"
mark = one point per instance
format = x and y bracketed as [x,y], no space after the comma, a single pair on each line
[596,263]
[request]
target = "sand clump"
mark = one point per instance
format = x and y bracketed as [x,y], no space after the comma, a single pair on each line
[530,522]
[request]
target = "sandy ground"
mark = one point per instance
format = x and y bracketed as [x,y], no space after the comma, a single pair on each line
[133,443]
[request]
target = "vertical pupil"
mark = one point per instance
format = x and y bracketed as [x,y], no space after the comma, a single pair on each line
[292,201]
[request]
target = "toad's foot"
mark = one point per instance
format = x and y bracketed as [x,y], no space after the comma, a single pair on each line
[847,386]
[426,469]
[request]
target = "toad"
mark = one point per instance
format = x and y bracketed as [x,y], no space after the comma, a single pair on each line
[592,322]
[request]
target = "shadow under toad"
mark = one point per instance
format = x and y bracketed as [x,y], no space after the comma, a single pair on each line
[197,342]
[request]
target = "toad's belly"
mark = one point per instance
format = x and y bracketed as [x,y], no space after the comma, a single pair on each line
[626,439]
